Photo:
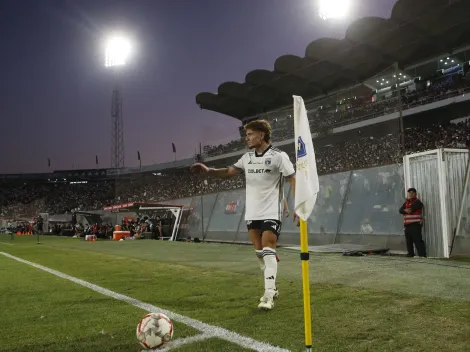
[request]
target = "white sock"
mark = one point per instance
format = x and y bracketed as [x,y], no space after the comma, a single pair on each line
[270,271]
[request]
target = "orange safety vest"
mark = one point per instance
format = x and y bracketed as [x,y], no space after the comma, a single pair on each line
[415,216]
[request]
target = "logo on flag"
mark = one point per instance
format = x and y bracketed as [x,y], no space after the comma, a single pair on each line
[301,150]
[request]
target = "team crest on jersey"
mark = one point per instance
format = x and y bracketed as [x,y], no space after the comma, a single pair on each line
[267,162]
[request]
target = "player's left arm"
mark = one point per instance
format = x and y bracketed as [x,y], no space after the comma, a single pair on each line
[291,179]
[287,169]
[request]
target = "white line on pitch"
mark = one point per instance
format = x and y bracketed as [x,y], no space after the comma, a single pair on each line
[185,341]
[213,331]
[8,244]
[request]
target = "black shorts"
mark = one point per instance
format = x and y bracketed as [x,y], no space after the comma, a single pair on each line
[265,225]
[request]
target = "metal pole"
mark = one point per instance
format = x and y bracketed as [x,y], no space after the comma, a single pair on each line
[343,205]
[211,213]
[202,203]
[117,130]
[400,112]
[38,233]
[202,214]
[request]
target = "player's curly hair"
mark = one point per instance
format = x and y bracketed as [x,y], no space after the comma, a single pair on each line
[260,126]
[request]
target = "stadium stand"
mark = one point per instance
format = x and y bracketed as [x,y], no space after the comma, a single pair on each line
[20,199]
[344,113]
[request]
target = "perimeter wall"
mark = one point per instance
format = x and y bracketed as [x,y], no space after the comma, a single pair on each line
[359,207]
[353,207]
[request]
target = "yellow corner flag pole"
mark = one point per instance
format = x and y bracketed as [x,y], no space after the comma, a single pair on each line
[304,256]
[307,186]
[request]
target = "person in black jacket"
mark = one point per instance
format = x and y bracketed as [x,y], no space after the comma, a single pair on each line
[412,210]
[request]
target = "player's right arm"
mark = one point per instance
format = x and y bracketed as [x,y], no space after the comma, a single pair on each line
[219,173]
[234,170]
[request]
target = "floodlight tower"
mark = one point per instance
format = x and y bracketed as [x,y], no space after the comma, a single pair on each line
[116,55]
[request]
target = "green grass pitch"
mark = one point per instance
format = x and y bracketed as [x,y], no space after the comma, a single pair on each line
[358,303]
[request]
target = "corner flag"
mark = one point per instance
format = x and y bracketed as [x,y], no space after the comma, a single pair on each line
[306,190]
[306,177]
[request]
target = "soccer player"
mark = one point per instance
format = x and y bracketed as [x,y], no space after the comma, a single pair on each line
[265,169]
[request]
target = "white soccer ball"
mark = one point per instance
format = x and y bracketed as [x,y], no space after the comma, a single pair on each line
[154,331]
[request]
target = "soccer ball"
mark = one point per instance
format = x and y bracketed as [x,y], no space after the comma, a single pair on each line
[154,331]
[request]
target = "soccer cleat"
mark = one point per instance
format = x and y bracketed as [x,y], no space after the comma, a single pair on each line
[267,303]
[276,295]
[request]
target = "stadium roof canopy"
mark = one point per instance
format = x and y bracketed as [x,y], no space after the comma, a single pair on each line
[415,31]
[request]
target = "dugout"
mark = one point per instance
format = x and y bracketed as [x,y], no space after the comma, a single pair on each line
[170,215]
[66,222]
[16,224]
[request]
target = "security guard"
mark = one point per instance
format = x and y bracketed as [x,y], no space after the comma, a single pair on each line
[412,210]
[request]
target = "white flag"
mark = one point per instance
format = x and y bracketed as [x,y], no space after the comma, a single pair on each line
[306,177]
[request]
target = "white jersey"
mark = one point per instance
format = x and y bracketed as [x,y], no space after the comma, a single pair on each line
[264,175]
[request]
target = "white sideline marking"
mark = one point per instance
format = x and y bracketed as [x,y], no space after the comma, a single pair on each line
[208,330]
[187,340]
[9,244]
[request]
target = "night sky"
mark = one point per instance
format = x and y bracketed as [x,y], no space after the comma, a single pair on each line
[55,93]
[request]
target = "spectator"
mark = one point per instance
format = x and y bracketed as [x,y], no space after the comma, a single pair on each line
[27,200]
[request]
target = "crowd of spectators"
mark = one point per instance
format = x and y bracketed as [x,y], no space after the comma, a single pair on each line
[24,199]
[63,198]
[335,114]
[19,199]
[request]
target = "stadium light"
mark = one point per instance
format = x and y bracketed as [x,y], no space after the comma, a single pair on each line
[117,51]
[333,9]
